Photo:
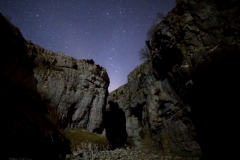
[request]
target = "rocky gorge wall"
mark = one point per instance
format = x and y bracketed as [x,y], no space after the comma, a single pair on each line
[44,93]
[155,115]
[182,98]
[75,90]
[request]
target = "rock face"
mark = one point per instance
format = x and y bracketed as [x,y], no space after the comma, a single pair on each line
[45,92]
[75,90]
[179,97]
[29,132]
[155,114]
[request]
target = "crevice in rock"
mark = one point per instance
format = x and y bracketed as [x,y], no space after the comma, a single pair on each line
[164,60]
[137,111]
[68,119]
[114,122]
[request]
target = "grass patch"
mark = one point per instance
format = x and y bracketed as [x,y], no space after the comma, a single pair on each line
[78,136]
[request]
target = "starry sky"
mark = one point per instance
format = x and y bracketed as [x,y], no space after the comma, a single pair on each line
[111,32]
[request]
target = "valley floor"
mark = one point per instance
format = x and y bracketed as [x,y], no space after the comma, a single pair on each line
[131,154]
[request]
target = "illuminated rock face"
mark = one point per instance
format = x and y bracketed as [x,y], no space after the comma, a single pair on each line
[76,90]
[155,114]
[177,99]
[45,92]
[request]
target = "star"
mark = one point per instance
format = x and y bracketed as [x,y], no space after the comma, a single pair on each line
[111,34]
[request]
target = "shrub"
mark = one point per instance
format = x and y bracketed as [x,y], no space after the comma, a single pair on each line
[145,53]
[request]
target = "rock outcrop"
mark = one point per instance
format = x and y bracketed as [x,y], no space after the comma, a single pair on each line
[45,92]
[155,114]
[29,133]
[75,90]
[184,96]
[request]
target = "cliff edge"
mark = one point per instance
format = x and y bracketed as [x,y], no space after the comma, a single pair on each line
[183,97]
[45,93]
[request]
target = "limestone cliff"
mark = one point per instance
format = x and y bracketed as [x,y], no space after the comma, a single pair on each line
[155,115]
[75,90]
[45,92]
[183,96]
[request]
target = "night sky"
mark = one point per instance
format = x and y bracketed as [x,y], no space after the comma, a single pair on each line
[111,32]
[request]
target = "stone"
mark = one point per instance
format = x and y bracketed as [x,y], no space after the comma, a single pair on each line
[75,89]
[169,98]
[47,92]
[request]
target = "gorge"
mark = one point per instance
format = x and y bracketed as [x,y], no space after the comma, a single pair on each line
[182,99]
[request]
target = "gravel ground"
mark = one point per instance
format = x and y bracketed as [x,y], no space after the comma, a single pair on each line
[127,154]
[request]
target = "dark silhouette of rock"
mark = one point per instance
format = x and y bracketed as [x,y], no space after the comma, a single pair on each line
[45,92]
[184,99]
[28,131]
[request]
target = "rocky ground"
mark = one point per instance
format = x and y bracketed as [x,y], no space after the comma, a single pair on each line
[130,154]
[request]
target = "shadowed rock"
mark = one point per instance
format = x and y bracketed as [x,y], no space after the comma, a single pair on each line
[114,122]
[184,98]
[45,92]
